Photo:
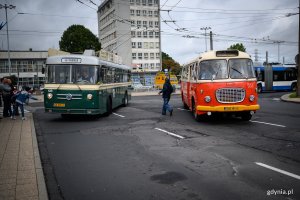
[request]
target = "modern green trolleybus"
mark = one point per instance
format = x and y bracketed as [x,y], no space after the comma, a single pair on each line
[81,84]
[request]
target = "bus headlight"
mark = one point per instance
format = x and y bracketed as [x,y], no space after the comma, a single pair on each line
[251,97]
[49,95]
[89,96]
[207,99]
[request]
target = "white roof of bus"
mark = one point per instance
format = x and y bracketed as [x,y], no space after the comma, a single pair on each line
[212,55]
[87,60]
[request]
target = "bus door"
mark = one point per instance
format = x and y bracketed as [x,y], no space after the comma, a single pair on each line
[190,85]
[268,77]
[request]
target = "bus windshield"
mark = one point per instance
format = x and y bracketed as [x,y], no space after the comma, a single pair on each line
[241,68]
[213,69]
[79,74]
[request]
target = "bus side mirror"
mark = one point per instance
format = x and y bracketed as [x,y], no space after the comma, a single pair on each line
[43,69]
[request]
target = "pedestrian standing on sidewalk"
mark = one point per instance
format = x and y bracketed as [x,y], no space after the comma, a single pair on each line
[7,112]
[166,95]
[4,88]
[21,98]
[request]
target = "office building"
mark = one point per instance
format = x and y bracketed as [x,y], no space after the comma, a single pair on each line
[131,29]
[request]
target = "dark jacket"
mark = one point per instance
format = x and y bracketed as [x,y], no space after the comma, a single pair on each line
[167,89]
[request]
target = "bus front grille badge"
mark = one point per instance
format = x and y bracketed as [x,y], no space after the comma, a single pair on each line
[69,97]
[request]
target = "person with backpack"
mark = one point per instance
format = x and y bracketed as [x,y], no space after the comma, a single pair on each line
[21,98]
[166,91]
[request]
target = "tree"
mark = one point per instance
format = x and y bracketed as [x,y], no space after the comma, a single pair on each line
[238,46]
[77,38]
[169,63]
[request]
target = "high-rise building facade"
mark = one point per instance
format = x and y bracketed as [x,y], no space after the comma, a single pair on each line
[131,29]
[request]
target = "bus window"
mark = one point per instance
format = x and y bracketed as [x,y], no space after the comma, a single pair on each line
[213,69]
[241,68]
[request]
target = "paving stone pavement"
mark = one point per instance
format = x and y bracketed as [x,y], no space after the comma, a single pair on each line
[21,173]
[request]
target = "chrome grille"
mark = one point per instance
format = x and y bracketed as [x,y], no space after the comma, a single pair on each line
[230,95]
[69,96]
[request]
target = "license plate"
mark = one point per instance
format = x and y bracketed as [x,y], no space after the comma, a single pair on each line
[59,105]
[231,108]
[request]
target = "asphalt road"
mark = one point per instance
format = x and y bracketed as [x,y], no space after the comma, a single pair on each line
[136,153]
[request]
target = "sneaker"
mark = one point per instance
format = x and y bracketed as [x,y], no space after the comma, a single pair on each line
[23,118]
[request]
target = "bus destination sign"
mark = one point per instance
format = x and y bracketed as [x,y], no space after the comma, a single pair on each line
[71,60]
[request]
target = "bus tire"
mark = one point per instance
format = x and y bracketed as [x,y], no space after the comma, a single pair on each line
[194,111]
[246,116]
[294,87]
[259,88]
[108,107]
[125,100]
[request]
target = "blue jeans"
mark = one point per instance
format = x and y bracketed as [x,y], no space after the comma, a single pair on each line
[16,109]
[166,106]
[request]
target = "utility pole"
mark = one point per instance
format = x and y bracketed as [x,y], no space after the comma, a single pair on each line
[205,29]
[278,43]
[211,40]
[298,79]
[5,7]
[159,29]
[256,55]
[267,61]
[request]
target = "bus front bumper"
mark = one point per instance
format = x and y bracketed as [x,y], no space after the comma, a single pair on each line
[229,108]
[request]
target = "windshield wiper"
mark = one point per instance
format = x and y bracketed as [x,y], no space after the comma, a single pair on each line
[239,72]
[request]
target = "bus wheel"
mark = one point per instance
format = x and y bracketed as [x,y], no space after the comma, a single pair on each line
[125,100]
[195,114]
[259,88]
[108,107]
[246,116]
[294,87]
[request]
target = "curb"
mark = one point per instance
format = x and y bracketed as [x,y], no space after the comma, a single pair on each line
[42,190]
[286,98]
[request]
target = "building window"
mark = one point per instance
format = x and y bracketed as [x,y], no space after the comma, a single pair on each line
[144,2]
[138,2]
[151,24]
[139,23]
[131,1]
[139,45]
[156,24]
[133,45]
[138,13]
[151,34]
[132,23]
[150,2]
[156,34]
[151,45]
[139,34]
[131,12]
[146,45]
[145,34]
[150,13]
[157,56]
[146,56]
[140,56]
[152,56]
[133,34]
[133,56]
[144,23]
[145,13]
[155,13]
[155,2]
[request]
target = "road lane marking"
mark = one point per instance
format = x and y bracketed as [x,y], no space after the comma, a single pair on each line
[169,133]
[118,115]
[268,123]
[278,170]
[183,109]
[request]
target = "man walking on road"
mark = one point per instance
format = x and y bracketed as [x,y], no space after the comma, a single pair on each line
[166,95]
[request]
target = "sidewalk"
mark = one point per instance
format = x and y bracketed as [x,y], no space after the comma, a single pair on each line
[21,173]
[288,99]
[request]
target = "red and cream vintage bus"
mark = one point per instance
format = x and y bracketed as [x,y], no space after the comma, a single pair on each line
[220,82]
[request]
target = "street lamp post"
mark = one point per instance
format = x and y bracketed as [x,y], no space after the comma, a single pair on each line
[205,29]
[5,7]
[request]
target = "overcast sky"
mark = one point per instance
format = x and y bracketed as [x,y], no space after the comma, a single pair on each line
[257,24]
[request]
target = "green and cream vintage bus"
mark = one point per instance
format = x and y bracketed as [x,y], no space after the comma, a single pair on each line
[81,84]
